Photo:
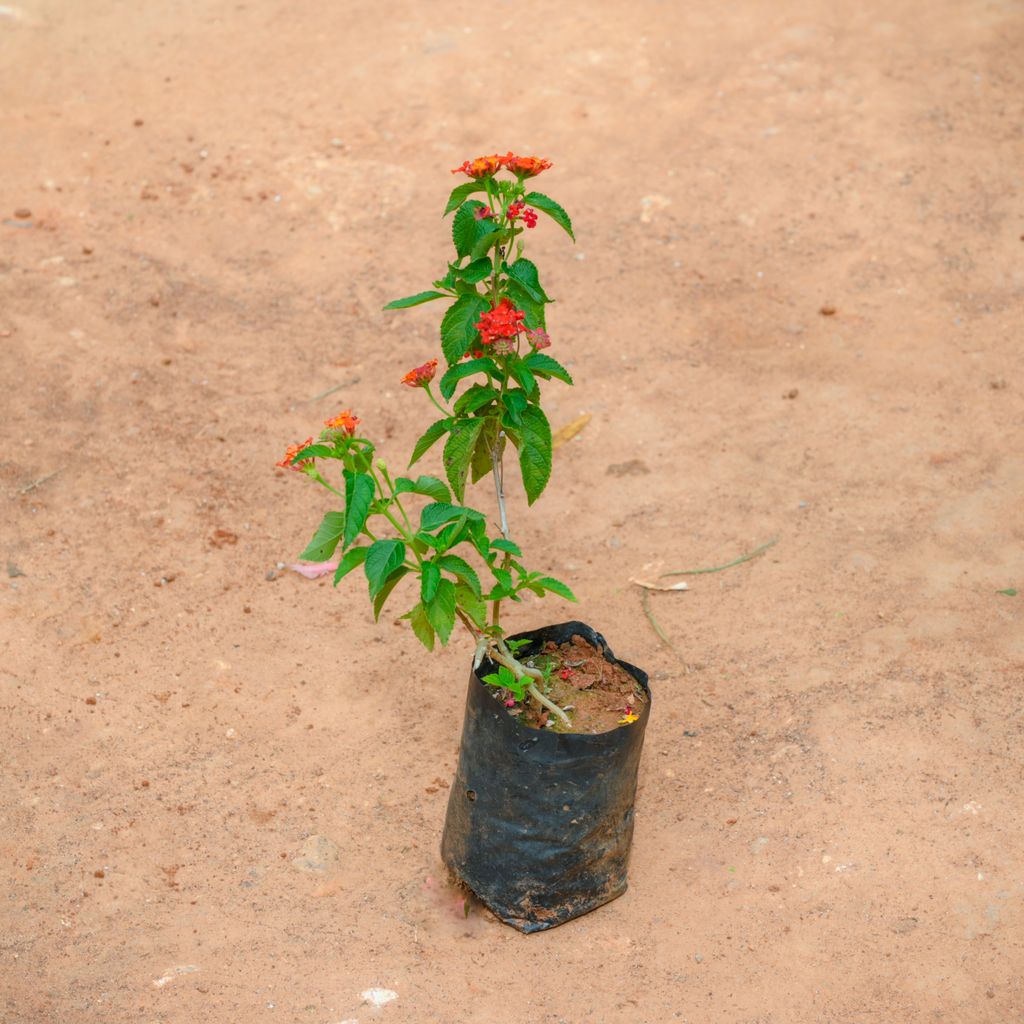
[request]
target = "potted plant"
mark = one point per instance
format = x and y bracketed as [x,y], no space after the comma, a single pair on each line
[540,816]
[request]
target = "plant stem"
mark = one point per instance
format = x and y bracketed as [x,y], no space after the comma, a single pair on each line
[430,395]
[505,657]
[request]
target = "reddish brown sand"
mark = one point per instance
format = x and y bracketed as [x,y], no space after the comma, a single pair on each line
[214,200]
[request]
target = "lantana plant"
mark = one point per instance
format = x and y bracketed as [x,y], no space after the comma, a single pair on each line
[493,338]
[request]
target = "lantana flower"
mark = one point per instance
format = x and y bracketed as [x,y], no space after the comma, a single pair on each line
[517,210]
[503,321]
[288,462]
[481,167]
[483,212]
[344,422]
[538,339]
[628,719]
[525,166]
[421,376]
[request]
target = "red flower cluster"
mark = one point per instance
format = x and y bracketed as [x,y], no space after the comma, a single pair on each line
[344,421]
[421,376]
[529,216]
[488,166]
[502,322]
[288,462]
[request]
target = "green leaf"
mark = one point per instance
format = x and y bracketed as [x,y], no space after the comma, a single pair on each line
[525,377]
[481,463]
[430,578]
[457,328]
[525,272]
[466,229]
[441,610]
[421,626]
[385,591]
[459,194]
[556,587]
[458,451]
[551,208]
[455,373]
[544,366]
[485,242]
[429,486]
[1009,592]
[326,538]
[383,558]
[462,569]
[506,545]
[441,512]
[471,604]
[533,309]
[474,399]
[359,493]
[314,451]
[433,433]
[351,558]
[535,452]
[477,270]
[415,300]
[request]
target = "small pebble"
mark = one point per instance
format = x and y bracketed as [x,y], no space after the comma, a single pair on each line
[698,958]
[337,143]
[22,213]
[271,574]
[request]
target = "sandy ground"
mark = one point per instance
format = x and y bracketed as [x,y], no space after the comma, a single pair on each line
[221,197]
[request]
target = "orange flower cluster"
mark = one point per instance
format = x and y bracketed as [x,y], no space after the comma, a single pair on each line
[481,167]
[288,462]
[344,421]
[502,322]
[524,166]
[488,166]
[421,376]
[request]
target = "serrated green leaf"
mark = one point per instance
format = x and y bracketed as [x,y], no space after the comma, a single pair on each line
[477,270]
[474,399]
[466,229]
[326,538]
[441,512]
[457,328]
[414,300]
[485,242]
[481,464]
[472,604]
[429,486]
[314,451]
[383,558]
[556,587]
[432,434]
[458,451]
[522,299]
[515,406]
[441,610]
[459,194]
[525,376]
[421,626]
[551,208]
[430,577]
[525,272]
[544,366]
[352,558]
[459,371]
[359,493]
[462,569]
[506,545]
[385,591]
[535,452]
